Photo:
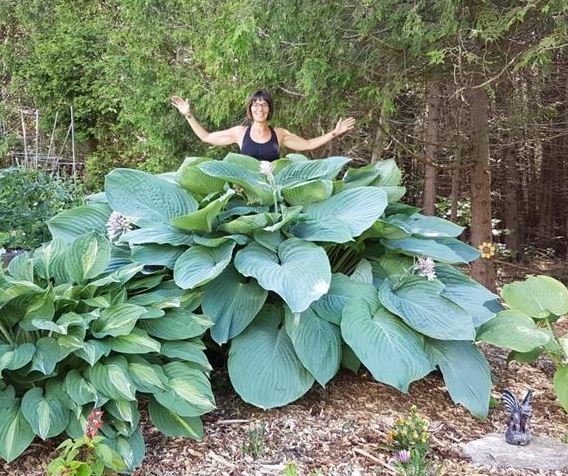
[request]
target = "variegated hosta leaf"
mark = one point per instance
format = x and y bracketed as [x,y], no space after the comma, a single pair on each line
[172,424]
[16,434]
[87,257]
[300,272]
[46,416]
[145,199]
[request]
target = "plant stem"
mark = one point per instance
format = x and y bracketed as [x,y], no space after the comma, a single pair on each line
[6,334]
[556,340]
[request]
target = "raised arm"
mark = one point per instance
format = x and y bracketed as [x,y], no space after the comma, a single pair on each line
[297,143]
[225,137]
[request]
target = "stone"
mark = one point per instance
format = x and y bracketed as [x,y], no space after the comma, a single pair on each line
[540,453]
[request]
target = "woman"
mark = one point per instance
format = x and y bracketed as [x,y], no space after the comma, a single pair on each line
[259,140]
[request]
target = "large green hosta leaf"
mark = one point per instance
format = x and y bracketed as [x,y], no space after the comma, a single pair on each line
[481,303]
[157,255]
[46,416]
[202,220]
[342,290]
[201,264]
[304,171]
[70,224]
[189,391]
[300,273]
[161,235]
[445,250]
[466,373]
[130,448]
[191,178]
[232,303]
[172,424]
[538,296]
[317,343]
[319,230]
[305,193]
[145,199]
[187,351]
[248,224]
[263,366]
[426,226]
[513,329]
[46,355]
[15,357]
[420,304]
[176,324]
[16,434]
[392,351]
[389,174]
[357,209]
[252,181]
[87,257]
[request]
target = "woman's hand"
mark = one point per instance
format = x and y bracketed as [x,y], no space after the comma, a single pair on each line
[343,126]
[181,104]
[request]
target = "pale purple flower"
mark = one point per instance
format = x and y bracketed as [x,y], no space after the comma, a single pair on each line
[426,267]
[403,456]
[116,225]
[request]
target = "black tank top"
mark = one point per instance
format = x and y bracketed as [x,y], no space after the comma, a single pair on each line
[262,151]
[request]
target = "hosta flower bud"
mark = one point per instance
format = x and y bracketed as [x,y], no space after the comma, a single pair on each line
[116,225]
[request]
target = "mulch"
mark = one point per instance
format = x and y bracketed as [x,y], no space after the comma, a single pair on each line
[338,431]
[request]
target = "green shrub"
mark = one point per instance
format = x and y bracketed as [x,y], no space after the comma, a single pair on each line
[80,329]
[27,199]
[302,272]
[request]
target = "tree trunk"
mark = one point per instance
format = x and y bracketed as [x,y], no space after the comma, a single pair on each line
[430,172]
[481,269]
[379,143]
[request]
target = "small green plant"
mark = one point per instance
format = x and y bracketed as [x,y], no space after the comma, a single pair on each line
[291,469]
[409,437]
[88,455]
[255,444]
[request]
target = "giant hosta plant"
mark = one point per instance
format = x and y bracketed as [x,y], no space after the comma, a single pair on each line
[79,330]
[301,270]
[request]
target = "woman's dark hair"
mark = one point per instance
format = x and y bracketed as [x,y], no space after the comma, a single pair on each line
[260,95]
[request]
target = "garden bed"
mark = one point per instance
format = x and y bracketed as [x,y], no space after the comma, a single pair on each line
[340,430]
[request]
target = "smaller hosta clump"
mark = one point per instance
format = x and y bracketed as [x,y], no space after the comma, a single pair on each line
[425,267]
[117,224]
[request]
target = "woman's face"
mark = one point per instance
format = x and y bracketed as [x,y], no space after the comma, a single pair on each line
[260,110]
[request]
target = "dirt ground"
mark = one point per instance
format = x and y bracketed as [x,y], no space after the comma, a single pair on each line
[339,430]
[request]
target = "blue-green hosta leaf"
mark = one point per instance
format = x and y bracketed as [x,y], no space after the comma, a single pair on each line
[269,239]
[13,358]
[189,391]
[425,226]
[389,174]
[16,434]
[305,193]
[186,351]
[363,272]
[117,320]
[342,290]
[216,241]
[41,307]
[75,222]
[466,373]
[121,274]
[263,366]
[289,214]
[166,295]
[398,208]
[390,266]
[383,229]
[145,199]
[252,181]
[160,235]
[348,359]
[392,351]
[191,178]
[317,343]
[201,264]
[445,250]
[394,194]
[81,391]
[7,397]
[538,296]
[358,208]
[172,424]
[318,230]
[232,303]
[248,224]
[112,380]
[46,355]
[238,208]
[147,378]
[202,220]
[300,273]
[87,257]
[420,304]
[176,324]
[124,410]
[46,416]
[55,390]
[304,171]
[157,255]
[130,448]
[137,342]
[481,303]
[513,329]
